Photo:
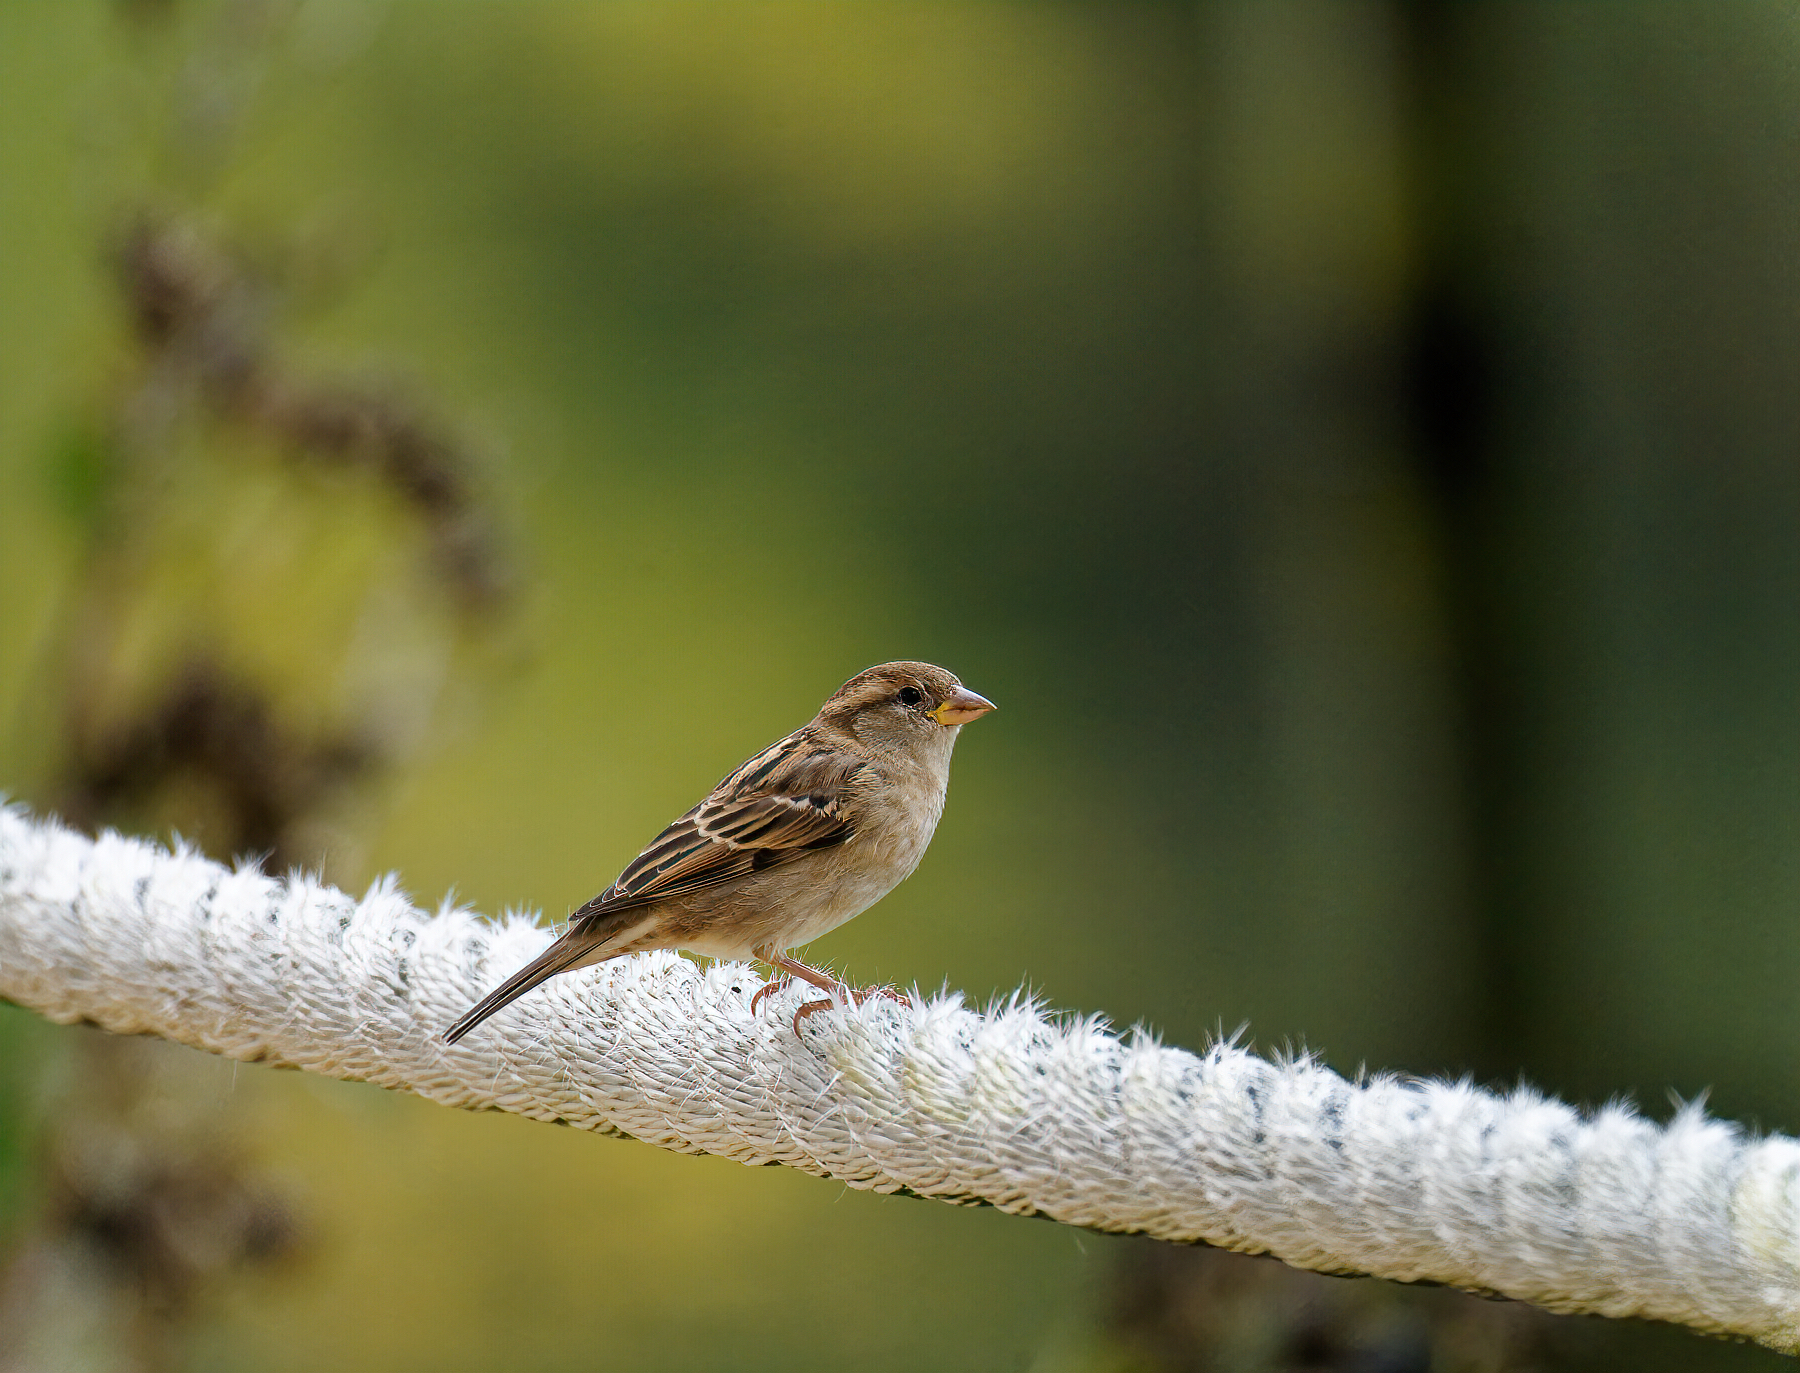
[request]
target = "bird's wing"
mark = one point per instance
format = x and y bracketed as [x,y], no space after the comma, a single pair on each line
[786,801]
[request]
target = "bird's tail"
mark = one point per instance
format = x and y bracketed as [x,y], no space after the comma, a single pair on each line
[567,952]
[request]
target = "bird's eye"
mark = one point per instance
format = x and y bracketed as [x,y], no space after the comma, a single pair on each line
[911,696]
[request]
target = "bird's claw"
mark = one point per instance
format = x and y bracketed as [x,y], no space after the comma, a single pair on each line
[855,995]
[891,993]
[767,989]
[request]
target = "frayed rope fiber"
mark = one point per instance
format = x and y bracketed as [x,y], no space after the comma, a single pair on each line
[1606,1214]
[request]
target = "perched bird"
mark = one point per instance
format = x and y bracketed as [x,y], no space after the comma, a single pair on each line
[813,830]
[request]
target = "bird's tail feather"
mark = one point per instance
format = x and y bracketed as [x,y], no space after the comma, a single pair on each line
[565,953]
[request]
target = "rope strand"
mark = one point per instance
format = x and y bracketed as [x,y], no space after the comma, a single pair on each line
[1607,1213]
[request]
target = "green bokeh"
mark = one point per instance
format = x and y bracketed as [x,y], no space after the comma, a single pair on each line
[1061,344]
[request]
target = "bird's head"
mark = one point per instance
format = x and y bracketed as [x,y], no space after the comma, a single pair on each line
[902,706]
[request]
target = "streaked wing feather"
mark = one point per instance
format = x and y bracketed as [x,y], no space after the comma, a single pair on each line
[786,801]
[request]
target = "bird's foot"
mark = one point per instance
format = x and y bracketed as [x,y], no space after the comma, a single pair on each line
[817,977]
[855,995]
[768,989]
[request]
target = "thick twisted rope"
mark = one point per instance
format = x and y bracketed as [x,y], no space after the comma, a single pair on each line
[1607,1214]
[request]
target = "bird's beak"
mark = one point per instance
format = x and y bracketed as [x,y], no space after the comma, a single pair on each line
[962,707]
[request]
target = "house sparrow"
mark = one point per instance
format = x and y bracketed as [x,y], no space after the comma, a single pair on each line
[813,830]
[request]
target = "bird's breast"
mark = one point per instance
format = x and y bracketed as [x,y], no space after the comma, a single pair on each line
[889,841]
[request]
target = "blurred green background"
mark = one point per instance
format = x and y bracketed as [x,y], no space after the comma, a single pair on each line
[1357,444]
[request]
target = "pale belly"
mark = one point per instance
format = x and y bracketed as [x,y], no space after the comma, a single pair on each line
[795,904]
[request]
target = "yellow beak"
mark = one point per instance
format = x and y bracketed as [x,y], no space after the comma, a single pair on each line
[962,707]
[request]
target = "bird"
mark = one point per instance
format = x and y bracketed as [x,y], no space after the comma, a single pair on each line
[801,837]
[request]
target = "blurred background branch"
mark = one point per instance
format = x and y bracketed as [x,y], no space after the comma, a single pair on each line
[225,499]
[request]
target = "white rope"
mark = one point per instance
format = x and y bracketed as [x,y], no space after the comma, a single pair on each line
[1607,1214]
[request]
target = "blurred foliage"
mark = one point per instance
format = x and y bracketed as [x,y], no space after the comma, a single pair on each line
[1355,443]
[148,1201]
[1185,1309]
[219,493]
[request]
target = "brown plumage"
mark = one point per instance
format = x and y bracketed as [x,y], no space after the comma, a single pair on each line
[810,832]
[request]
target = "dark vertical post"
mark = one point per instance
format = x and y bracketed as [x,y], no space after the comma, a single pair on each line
[1448,389]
